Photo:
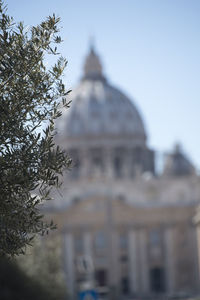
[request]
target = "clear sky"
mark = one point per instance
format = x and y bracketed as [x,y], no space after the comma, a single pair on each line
[150,49]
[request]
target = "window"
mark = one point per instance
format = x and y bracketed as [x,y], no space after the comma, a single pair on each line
[76,163]
[154,237]
[125,285]
[76,200]
[138,160]
[76,168]
[96,160]
[119,156]
[123,241]
[124,258]
[100,240]
[157,280]
[121,198]
[101,277]
[78,244]
[118,166]
[138,155]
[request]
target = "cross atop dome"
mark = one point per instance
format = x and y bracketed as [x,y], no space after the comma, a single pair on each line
[92,65]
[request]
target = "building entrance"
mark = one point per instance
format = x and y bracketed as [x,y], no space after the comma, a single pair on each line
[101,277]
[157,280]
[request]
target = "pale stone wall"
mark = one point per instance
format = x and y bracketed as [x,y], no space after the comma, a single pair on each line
[176,252]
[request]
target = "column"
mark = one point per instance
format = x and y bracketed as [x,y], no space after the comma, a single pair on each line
[193,246]
[169,259]
[133,262]
[68,254]
[84,163]
[143,261]
[115,260]
[108,160]
[198,245]
[113,264]
[87,244]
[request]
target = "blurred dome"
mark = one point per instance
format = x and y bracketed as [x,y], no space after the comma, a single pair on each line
[178,164]
[98,109]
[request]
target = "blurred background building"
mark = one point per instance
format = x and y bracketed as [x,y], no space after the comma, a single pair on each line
[133,227]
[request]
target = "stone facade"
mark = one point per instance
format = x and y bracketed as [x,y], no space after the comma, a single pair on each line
[133,226]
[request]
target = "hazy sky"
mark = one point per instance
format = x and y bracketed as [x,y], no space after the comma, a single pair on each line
[150,49]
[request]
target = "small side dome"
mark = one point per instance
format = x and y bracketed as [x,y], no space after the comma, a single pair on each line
[177,164]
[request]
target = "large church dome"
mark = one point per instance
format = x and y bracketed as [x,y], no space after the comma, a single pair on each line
[100,110]
[103,131]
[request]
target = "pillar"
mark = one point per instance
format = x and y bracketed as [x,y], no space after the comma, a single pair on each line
[68,252]
[143,262]
[169,259]
[133,262]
